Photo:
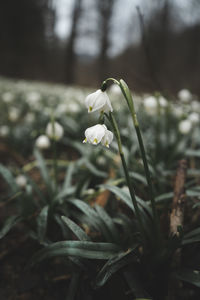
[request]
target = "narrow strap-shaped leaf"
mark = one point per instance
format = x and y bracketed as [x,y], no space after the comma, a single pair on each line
[78,231]
[84,249]
[188,275]
[42,223]
[68,176]
[139,177]
[114,265]
[108,222]
[73,287]
[43,168]
[8,177]
[94,170]
[9,224]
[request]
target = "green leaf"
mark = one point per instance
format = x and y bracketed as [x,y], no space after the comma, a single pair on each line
[110,225]
[43,168]
[139,177]
[125,197]
[84,249]
[165,196]
[9,223]
[114,265]
[42,223]
[78,231]
[8,177]
[188,275]
[73,287]
[68,177]
[94,170]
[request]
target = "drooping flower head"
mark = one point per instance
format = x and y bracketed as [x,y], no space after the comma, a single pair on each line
[98,101]
[98,134]
[42,142]
[54,132]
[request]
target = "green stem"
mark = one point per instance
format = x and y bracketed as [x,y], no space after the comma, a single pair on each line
[127,94]
[132,192]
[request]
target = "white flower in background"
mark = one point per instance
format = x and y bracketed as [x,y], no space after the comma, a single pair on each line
[30,117]
[162,102]
[195,105]
[185,126]
[194,118]
[42,142]
[73,107]
[4,130]
[7,97]
[21,181]
[98,101]
[185,96]
[13,114]
[101,160]
[115,89]
[33,97]
[178,111]
[62,108]
[98,133]
[150,105]
[54,132]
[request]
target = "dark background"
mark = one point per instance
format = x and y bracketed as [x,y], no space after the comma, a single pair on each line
[165,57]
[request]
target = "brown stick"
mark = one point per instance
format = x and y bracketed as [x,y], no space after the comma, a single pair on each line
[176,220]
[177,213]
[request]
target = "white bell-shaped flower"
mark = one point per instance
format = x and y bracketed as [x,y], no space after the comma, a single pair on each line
[185,126]
[21,181]
[54,132]
[107,138]
[98,101]
[98,134]
[42,142]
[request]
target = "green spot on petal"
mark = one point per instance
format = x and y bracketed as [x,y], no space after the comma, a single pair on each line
[90,108]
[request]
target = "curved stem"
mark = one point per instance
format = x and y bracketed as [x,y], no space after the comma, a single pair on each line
[132,192]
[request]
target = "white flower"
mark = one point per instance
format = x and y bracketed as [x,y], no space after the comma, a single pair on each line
[162,102]
[115,89]
[4,130]
[185,96]
[178,111]
[98,101]
[150,105]
[30,117]
[7,97]
[13,114]
[98,133]
[54,132]
[21,181]
[42,142]
[185,126]
[194,118]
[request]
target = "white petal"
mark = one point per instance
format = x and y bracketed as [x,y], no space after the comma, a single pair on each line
[107,139]
[95,134]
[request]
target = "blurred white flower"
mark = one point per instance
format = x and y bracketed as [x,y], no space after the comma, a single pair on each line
[178,111]
[98,133]
[21,181]
[42,142]
[4,130]
[162,102]
[13,114]
[30,117]
[194,118]
[185,126]
[98,101]
[33,97]
[115,89]
[7,97]
[101,160]
[185,96]
[54,132]
[195,105]
[150,105]
[73,107]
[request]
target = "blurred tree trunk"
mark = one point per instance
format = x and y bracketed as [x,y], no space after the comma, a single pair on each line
[105,9]
[70,60]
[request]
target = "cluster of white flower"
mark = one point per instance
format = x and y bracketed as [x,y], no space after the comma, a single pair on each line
[153,104]
[98,102]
